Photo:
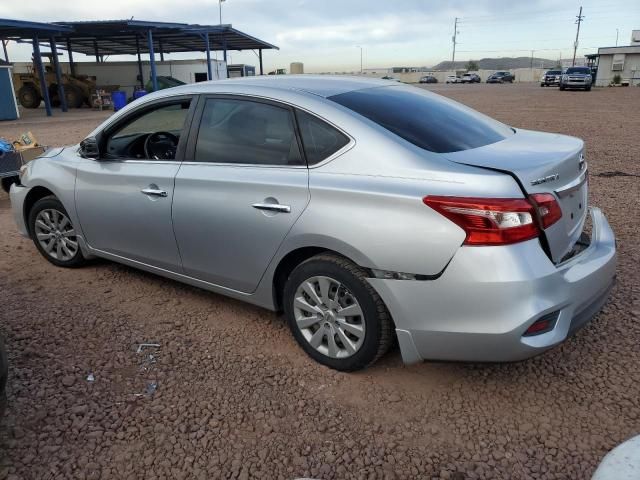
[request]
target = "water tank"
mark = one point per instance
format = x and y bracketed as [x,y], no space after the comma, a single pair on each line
[296,68]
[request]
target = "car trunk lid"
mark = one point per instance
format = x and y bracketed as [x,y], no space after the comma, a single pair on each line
[542,163]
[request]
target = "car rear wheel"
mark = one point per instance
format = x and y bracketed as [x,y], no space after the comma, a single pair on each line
[335,314]
[53,233]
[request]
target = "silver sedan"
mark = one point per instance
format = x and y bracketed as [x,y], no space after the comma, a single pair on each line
[366,210]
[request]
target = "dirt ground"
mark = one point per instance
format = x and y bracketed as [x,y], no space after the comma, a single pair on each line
[230,395]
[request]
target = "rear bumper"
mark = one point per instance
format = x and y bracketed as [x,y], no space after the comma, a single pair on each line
[485,300]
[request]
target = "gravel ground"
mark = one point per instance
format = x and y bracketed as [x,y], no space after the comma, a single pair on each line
[236,398]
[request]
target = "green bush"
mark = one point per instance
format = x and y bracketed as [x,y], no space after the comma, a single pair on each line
[617,79]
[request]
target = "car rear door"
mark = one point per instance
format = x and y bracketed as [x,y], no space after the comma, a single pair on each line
[243,184]
[124,199]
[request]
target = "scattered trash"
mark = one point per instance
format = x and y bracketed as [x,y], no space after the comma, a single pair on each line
[142,346]
[91,378]
[151,388]
[5,146]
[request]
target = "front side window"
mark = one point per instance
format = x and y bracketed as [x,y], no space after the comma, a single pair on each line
[247,132]
[320,140]
[152,135]
[427,120]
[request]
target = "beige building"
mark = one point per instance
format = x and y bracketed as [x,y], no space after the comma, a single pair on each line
[623,61]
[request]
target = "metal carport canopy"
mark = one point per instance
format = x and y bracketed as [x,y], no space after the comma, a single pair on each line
[20,30]
[118,37]
[129,37]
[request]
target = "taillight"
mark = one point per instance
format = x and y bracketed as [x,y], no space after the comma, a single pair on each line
[547,207]
[489,221]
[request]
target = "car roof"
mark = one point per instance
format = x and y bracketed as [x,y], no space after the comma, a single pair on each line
[321,85]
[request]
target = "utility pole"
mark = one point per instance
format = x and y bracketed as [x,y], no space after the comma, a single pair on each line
[358,46]
[579,18]
[453,39]
[532,52]
[220,7]
[616,37]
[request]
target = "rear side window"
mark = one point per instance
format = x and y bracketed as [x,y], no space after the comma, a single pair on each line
[247,132]
[320,139]
[425,119]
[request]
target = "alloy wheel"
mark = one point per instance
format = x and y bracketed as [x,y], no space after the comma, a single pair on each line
[56,235]
[329,317]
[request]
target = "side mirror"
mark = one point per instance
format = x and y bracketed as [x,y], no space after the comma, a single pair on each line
[89,148]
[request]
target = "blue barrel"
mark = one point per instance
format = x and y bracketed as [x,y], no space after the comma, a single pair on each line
[139,93]
[119,99]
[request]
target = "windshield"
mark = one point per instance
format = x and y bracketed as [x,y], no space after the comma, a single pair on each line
[553,72]
[425,119]
[583,70]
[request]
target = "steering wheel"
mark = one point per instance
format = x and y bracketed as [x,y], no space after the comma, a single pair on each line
[161,146]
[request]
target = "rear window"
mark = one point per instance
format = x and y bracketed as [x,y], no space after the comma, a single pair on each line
[583,70]
[320,139]
[427,120]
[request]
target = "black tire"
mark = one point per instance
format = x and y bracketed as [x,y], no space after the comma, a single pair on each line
[562,87]
[377,321]
[588,89]
[29,97]
[52,203]
[74,96]
[6,182]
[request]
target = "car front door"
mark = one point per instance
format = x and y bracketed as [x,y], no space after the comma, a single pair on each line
[124,197]
[243,184]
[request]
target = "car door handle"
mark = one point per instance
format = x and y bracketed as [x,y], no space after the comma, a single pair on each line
[272,207]
[154,192]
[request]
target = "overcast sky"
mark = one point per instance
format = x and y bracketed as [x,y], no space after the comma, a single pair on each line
[323,34]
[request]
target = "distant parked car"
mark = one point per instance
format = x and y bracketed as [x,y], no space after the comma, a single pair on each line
[576,77]
[428,79]
[500,77]
[387,77]
[453,79]
[3,376]
[470,78]
[551,78]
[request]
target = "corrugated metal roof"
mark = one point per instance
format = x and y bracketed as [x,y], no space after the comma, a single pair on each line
[27,30]
[127,37]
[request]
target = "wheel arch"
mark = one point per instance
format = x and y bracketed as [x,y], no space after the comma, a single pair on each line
[295,257]
[35,194]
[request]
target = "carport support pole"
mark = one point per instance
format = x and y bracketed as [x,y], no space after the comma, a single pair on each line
[260,57]
[206,39]
[56,66]
[161,50]
[96,50]
[152,61]
[72,67]
[224,52]
[43,81]
[139,62]
[4,47]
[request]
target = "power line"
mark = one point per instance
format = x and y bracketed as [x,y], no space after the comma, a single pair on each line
[579,20]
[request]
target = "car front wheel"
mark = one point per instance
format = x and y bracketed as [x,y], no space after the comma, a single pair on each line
[54,234]
[335,314]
